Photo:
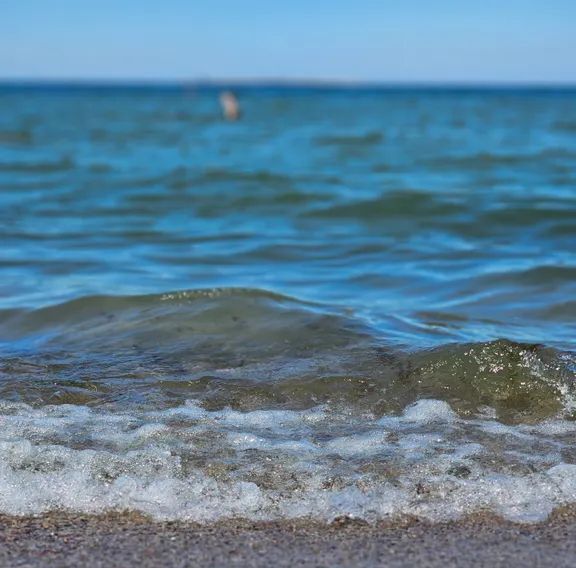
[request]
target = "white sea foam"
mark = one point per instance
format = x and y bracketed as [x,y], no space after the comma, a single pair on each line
[191,463]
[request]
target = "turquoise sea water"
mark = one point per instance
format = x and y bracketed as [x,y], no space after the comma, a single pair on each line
[349,302]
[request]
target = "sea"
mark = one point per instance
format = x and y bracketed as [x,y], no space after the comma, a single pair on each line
[352,302]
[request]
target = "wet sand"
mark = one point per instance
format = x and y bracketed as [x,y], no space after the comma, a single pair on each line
[128,540]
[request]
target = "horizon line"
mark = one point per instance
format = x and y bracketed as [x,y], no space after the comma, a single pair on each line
[223,82]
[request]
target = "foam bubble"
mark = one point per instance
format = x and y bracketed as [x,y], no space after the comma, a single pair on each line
[427,411]
[191,463]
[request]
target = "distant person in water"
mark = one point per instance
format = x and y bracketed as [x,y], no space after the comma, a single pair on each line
[230,106]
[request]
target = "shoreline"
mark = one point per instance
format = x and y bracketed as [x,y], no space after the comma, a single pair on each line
[64,539]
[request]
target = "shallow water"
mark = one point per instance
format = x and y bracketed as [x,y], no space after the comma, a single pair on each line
[350,302]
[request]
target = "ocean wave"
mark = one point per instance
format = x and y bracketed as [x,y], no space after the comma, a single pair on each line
[38,167]
[190,463]
[253,349]
[430,370]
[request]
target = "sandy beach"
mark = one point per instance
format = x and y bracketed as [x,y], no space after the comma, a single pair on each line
[127,540]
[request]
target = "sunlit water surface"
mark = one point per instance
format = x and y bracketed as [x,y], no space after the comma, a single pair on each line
[347,303]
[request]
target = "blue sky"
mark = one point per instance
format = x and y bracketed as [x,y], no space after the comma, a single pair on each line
[358,40]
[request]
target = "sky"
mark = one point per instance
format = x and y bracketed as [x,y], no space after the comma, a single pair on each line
[455,41]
